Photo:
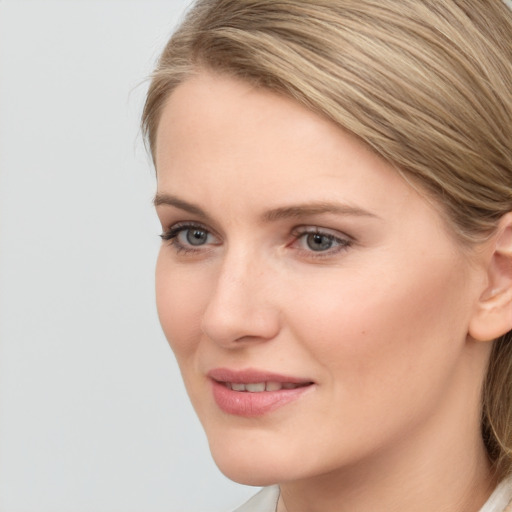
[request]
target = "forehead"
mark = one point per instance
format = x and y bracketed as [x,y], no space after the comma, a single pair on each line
[221,107]
[222,141]
[212,120]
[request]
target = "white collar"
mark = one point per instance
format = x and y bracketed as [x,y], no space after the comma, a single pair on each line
[500,498]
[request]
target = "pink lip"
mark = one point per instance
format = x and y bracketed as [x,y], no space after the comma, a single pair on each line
[244,403]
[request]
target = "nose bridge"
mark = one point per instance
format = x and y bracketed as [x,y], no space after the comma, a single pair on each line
[239,307]
[234,282]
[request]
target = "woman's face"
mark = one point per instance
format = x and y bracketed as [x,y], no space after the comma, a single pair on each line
[316,303]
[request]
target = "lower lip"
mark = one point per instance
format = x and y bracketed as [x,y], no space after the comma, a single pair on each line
[247,404]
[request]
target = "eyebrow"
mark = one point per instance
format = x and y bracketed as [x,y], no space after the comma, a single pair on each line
[166,199]
[316,208]
[275,214]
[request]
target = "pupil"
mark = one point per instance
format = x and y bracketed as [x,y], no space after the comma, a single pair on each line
[317,242]
[196,236]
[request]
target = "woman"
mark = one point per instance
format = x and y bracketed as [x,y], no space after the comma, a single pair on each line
[335,278]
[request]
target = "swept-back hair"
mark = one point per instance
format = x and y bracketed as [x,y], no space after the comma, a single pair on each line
[426,84]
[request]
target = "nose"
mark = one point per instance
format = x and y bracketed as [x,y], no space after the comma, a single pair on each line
[241,306]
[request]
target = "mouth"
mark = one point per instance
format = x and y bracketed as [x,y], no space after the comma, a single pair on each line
[253,393]
[260,387]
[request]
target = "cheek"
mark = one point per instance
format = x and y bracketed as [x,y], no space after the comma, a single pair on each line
[373,329]
[179,304]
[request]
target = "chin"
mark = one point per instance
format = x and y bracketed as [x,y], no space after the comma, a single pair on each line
[251,465]
[248,475]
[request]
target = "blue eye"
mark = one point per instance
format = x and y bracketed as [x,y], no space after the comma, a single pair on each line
[319,242]
[189,237]
[195,236]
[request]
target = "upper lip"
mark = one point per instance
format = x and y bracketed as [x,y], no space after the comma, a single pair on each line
[250,375]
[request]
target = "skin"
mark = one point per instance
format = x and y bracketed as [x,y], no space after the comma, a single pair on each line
[379,321]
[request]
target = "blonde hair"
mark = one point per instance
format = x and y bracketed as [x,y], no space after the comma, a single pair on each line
[427,84]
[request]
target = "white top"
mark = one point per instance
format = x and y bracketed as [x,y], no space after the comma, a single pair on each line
[500,498]
[266,500]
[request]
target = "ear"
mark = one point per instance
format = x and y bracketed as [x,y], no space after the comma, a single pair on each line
[493,317]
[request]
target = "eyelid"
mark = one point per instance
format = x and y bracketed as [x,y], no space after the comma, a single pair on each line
[314,229]
[171,234]
[182,225]
[343,241]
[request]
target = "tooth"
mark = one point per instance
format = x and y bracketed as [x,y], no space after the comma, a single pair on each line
[289,385]
[237,387]
[256,387]
[273,386]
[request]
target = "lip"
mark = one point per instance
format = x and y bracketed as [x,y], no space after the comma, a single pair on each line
[252,404]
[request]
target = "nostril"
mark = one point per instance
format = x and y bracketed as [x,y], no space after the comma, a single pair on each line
[247,324]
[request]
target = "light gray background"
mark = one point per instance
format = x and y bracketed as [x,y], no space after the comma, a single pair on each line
[93,414]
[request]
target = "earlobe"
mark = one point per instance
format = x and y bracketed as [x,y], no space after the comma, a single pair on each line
[493,317]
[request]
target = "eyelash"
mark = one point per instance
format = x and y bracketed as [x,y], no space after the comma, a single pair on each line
[342,244]
[172,234]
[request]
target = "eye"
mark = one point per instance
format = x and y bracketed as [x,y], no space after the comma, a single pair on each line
[189,237]
[194,236]
[322,242]
[318,241]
